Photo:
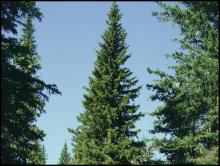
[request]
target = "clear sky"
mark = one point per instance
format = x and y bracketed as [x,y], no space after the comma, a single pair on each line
[67,39]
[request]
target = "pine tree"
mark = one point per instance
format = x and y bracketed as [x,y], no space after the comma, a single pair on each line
[106,134]
[65,156]
[38,156]
[189,114]
[22,92]
[28,62]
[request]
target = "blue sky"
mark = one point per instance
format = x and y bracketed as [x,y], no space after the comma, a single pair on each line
[67,39]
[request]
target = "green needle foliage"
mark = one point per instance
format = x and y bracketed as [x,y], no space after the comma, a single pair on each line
[189,114]
[65,156]
[28,61]
[38,156]
[106,134]
[23,95]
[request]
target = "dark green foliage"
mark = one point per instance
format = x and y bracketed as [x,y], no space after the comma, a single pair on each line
[190,96]
[12,13]
[22,96]
[28,61]
[106,134]
[38,156]
[65,156]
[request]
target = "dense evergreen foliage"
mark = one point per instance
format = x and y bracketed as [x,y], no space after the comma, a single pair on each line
[188,117]
[22,92]
[106,134]
[189,114]
[38,155]
[65,156]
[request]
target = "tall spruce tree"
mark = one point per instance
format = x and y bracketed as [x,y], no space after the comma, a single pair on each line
[28,62]
[190,96]
[107,131]
[22,92]
[65,156]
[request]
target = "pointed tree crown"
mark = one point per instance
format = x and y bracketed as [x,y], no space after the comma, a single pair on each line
[107,131]
[65,156]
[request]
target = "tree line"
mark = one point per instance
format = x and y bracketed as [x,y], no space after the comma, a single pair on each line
[188,117]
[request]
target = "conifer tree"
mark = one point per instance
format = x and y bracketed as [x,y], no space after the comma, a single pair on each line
[65,156]
[38,156]
[28,62]
[22,92]
[107,132]
[189,114]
